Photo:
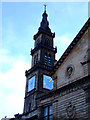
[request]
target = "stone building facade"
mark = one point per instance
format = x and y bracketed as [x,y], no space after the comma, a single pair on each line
[58,90]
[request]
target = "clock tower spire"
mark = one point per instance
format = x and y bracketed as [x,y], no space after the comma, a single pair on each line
[38,78]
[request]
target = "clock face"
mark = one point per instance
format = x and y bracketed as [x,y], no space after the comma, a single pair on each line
[47,82]
[31,83]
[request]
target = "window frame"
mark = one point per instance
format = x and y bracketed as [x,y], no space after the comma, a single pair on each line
[48,113]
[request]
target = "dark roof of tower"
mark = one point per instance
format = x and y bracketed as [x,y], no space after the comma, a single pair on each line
[71,46]
[44,26]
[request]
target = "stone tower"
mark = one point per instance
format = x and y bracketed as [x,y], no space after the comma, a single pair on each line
[38,80]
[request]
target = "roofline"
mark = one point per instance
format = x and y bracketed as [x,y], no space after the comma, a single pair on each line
[71,46]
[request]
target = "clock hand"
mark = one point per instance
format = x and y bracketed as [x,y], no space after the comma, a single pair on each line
[50,80]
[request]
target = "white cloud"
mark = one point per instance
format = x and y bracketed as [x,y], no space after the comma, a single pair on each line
[62,42]
[4,55]
[12,85]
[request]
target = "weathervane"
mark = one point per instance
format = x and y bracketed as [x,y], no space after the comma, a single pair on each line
[45,7]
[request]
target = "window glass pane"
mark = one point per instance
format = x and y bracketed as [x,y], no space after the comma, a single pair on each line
[46,118]
[45,111]
[50,110]
[45,55]
[49,63]
[50,117]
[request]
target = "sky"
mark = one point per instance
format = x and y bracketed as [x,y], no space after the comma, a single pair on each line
[20,21]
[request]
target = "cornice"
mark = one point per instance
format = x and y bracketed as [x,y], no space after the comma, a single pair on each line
[44,47]
[36,67]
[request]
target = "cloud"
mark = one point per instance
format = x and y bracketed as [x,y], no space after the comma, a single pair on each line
[4,55]
[12,84]
[62,42]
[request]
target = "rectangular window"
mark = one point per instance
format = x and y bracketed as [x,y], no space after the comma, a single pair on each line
[47,112]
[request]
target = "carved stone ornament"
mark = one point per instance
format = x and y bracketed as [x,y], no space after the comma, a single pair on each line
[69,71]
[70,111]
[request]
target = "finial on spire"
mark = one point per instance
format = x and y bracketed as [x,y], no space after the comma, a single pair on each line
[45,7]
